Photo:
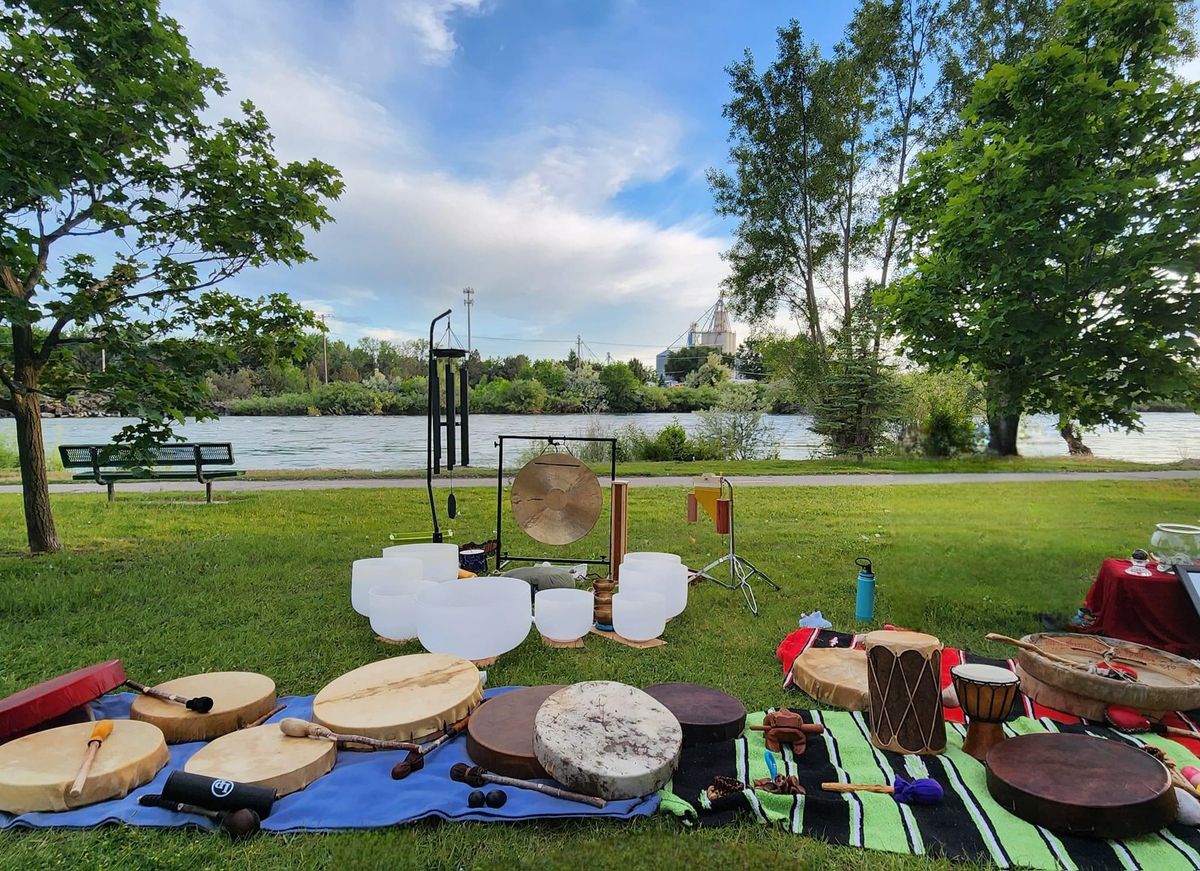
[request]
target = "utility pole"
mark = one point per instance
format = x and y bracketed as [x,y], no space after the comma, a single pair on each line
[103,360]
[469,301]
[578,350]
[325,346]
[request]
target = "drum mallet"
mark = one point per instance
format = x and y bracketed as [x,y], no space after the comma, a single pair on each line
[268,715]
[297,728]
[240,824]
[200,704]
[415,760]
[477,776]
[100,732]
[923,790]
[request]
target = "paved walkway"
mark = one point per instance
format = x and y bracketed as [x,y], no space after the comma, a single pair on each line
[845,480]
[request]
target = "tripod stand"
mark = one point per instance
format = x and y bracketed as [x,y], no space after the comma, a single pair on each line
[741,570]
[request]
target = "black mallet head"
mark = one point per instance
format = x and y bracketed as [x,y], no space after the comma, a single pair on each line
[468,774]
[200,704]
[240,825]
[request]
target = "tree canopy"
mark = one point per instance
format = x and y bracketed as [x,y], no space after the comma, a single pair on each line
[122,211]
[1055,239]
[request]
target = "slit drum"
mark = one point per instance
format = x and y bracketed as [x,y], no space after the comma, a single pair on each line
[986,693]
[904,684]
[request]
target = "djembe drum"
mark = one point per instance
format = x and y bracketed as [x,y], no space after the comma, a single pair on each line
[986,694]
[904,684]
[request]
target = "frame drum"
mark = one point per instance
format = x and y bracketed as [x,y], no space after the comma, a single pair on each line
[239,697]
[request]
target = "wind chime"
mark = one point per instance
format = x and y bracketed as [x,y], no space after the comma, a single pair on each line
[447,423]
[714,493]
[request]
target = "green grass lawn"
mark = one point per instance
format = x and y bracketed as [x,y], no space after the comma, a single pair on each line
[261,583]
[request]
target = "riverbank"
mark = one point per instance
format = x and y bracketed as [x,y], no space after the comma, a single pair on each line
[740,468]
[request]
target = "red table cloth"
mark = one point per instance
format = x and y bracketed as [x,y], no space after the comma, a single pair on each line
[1154,610]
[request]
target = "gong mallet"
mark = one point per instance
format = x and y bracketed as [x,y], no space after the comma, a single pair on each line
[100,732]
[240,825]
[200,704]
[297,728]
[415,760]
[477,776]
[923,790]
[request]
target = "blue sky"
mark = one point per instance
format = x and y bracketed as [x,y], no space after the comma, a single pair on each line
[550,153]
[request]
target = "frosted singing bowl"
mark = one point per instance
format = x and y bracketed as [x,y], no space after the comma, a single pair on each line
[669,580]
[476,618]
[564,614]
[654,556]
[367,573]
[441,560]
[394,608]
[639,616]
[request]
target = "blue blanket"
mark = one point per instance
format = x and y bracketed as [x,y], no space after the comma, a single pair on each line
[358,793]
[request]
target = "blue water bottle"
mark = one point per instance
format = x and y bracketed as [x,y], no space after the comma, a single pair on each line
[864,608]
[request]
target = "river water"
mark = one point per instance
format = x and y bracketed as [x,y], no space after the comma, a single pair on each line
[399,442]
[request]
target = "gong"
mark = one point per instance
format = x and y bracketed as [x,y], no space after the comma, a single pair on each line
[556,499]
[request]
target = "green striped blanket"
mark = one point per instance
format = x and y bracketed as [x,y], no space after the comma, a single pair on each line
[969,825]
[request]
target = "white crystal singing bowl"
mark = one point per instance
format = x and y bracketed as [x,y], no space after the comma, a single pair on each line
[669,580]
[654,555]
[475,618]
[367,573]
[564,614]
[394,608]
[639,616]
[441,560]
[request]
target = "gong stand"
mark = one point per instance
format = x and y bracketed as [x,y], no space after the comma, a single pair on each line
[741,570]
[441,416]
[502,556]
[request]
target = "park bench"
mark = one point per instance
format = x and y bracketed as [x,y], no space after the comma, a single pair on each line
[108,464]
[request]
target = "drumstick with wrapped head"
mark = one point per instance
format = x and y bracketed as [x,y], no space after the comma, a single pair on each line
[1128,720]
[415,760]
[297,728]
[199,704]
[240,824]
[477,776]
[923,790]
[100,732]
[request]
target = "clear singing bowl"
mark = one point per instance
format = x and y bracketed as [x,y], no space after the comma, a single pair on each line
[475,618]
[639,616]
[394,608]
[564,614]
[669,580]
[1175,544]
[653,555]
[367,573]
[441,560]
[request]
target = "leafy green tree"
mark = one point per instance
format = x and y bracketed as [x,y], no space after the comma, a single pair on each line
[1056,238]
[552,374]
[682,362]
[621,387]
[105,136]
[712,371]
[640,371]
[735,429]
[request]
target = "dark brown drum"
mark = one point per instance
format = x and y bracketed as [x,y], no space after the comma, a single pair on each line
[1081,785]
[706,714]
[500,732]
[904,682]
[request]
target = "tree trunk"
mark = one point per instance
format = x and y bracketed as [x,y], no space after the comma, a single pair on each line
[1002,434]
[1074,440]
[35,485]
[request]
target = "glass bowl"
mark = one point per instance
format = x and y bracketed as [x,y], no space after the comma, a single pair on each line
[1175,544]
[564,614]
[475,618]
[394,608]
[639,616]
[667,579]
[441,560]
[367,573]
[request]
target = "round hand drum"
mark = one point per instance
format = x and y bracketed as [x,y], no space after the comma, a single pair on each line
[500,733]
[1081,785]
[264,756]
[607,739]
[405,698]
[706,715]
[986,694]
[36,772]
[239,697]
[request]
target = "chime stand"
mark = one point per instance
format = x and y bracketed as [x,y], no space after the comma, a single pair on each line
[741,570]
[454,423]
[503,558]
